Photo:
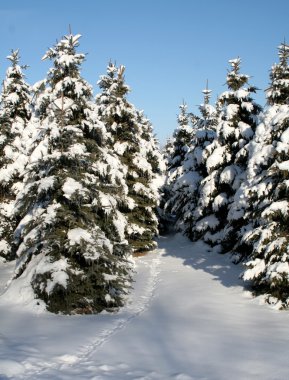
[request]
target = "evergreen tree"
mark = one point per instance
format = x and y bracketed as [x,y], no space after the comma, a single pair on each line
[165,219]
[226,160]
[130,137]
[168,150]
[267,188]
[181,141]
[278,92]
[14,116]
[71,245]
[182,137]
[194,164]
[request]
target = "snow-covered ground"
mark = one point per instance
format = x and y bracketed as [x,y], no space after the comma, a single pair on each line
[187,318]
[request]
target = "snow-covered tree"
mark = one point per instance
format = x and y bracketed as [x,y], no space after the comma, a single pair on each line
[165,219]
[182,137]
[267,189]
[186,178]
[194,164]
[181,141]
[71,244]
[226,160]
[167,151]
[131,138]
[278,92]
[14,116]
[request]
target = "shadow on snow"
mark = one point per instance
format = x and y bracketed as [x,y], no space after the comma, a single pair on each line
[201,256]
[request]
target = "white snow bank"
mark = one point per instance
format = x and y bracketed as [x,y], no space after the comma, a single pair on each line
[187,305]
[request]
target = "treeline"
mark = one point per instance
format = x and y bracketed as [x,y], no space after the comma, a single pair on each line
[228,177]
[78,182]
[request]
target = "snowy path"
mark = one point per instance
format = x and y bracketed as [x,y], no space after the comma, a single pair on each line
[189,319]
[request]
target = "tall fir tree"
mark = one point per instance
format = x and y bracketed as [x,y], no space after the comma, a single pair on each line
[71,244]
[171,192]
[182,136]
[226,160]
[130,137]
[15,114]
[268,174]
[194,164]
[165,219]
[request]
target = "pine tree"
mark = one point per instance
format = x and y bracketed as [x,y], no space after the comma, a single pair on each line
[226,160]
[15,114]
[71,243]
[181,141]
[194,164]
[268,174]
[130,137]
[278,92]
[182,137]
[167,151]
[165,219]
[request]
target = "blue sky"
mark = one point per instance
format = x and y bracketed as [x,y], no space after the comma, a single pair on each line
[169,47]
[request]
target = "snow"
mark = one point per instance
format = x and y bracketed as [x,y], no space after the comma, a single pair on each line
[39,152]
[246,130]
[70,186]
[234,61]
[133,228]
[142,189]
[75,236]
[77,149]
[63,103]
[120,147]
[285,136]
[277,268]
[107,201]
[190,179]
[219,201]
[74,39]
[20,296]
[217,158]
[58,272]
[208,221]
[13,98]
[228,174]
[188,318]
[231,110]
[279,206]
[142,164]
[248,106]
[255,267]
[51,213]
[120,223]
[46,183]
[241,94]
[283,165]
[4,246]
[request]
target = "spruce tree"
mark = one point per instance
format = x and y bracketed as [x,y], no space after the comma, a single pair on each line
[172,193]
[194,164]
[268,174]
[130,136]
[182,137]
[167,151]
[71,245]
[165,219]
[226,159]
[15,114]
